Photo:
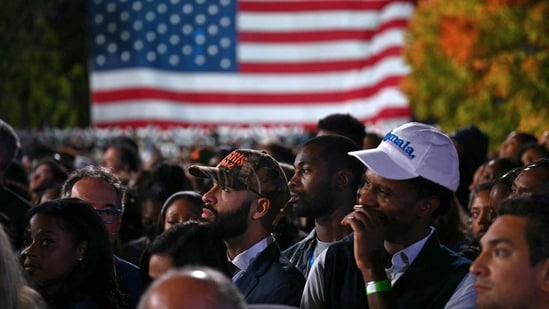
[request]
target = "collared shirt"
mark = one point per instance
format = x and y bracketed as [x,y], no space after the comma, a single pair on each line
[302,253]
[464,296]
[246,257]
[403,258]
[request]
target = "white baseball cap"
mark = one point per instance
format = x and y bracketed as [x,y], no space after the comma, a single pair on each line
[411,150]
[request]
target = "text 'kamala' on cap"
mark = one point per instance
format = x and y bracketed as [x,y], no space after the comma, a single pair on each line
[411,150]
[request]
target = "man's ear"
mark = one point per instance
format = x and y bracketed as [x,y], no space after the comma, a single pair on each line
[544,276]
[427,206]
[344,177]
[261,208]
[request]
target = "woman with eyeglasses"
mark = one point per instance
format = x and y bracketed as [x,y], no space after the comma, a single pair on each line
[68,257]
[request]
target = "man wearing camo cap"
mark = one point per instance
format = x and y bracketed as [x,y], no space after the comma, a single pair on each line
[249,189]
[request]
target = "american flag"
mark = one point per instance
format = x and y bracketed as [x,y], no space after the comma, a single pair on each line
[243,62]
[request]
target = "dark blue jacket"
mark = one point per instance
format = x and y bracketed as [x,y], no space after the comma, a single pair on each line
[130,280]
[429,282]
[272,279]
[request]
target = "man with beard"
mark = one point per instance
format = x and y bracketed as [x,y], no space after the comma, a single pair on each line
[512,271]
[395,258]
[249,189]
[324,188]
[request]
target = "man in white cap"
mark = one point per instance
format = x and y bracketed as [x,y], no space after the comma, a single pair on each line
[395,259]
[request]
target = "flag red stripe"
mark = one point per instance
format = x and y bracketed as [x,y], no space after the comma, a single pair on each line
[316,67]
[291,6]
[105,97]
[110,108]
[318,36]
[386,113]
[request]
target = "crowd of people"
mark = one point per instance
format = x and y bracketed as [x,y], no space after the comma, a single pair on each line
[347,218]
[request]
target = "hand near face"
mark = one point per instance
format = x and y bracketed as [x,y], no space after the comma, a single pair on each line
[368,226]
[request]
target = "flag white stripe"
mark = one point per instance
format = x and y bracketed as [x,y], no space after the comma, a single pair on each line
[321,20]
[249,83]
[323,51]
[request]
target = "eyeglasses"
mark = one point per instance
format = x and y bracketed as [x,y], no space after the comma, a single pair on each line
[109,215]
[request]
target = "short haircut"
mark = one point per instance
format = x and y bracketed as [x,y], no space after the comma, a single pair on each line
[9,145]
[128,156]
[281,153]
[535,209]
[96,172]
[335,149]
[344,124]
[424,188]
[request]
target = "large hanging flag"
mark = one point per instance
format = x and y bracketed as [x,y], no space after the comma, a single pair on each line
[227,62]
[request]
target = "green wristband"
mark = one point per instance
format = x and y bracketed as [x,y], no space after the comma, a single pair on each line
[378,286]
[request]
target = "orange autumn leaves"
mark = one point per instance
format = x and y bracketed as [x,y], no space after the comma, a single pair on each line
[458,37]
[479,61]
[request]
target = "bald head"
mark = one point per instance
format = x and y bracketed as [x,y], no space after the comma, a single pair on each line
[197,288]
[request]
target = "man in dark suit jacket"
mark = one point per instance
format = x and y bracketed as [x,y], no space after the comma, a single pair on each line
[249,189]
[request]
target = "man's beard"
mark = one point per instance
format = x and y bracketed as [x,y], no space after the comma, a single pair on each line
[321,205]
[231,223]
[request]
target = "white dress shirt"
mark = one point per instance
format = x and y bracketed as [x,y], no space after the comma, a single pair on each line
[246,257]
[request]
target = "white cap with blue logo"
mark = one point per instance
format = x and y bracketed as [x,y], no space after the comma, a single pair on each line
[411,150]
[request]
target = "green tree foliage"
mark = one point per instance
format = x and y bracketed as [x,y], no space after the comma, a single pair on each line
[43,76]
[483,62]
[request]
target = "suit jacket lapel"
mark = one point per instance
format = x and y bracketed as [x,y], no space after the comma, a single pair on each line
[257,269]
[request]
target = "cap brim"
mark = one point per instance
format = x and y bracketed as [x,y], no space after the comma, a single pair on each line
[205,172]
[379,162]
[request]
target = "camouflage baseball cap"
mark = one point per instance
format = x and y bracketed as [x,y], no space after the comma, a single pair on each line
[248,169]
